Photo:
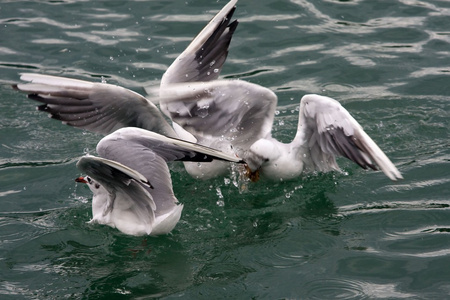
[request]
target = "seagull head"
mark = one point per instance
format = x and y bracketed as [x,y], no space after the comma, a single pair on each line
[93,185]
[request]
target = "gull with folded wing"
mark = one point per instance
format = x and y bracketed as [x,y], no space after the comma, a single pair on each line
[131,181]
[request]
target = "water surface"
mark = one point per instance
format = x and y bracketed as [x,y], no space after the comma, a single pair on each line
[350,235]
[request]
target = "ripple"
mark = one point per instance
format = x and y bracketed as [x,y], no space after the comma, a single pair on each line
[391,206]
[352,289]
[295,251]
[337,87]
[423,242]
[50,41]
[222,271]
[16,288]
[31,22]
[18,227]
[6,193]
[334,289]
[18,66]
[419,184]
[5,164]
[404,229]
[427,71]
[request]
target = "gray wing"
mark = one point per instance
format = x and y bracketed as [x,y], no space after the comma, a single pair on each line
[204,57]
[148,153]
[97,107]
[122,184]
[170,149]
[328,130]
[231,110]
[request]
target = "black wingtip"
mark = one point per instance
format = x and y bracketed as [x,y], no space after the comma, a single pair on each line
[233,25]
[42,107]
[147,183]
[35,97]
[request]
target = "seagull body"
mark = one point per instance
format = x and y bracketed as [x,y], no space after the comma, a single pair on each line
[123,212]
[275,160]
[131,180]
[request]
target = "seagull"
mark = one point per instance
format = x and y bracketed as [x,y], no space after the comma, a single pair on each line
[238,115]
[131,183]
[103,108]
[235,116]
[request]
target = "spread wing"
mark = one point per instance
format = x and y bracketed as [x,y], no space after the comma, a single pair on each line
[328,130]
[204,57]
[230,110]
[97,107]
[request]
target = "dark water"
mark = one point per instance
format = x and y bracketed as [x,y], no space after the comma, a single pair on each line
[354,235]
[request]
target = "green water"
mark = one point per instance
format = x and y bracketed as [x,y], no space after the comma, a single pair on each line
[350,235]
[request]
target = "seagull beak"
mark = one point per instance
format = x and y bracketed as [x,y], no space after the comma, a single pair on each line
[252,175]
[81,179]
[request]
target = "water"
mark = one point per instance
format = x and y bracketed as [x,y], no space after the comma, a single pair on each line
[353,235]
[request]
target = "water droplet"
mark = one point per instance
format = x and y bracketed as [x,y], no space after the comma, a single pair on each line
[220,202]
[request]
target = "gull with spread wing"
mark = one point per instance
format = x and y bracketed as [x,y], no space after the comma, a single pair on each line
[131,181]
[236,117]
[234,114]
[104,108]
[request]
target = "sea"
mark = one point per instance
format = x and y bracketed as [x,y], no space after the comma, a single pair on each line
[353,234]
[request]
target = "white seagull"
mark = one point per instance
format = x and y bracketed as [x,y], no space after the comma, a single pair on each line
[131,181]
[236,117]
[234,114]
[104,108]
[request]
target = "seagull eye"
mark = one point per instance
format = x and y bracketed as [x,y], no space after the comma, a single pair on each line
[97,186]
